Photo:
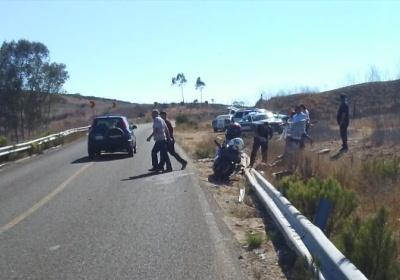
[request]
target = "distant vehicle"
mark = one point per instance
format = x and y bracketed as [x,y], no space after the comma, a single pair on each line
[111,134]
[232,110]
[221,122]
[251,120]
[239,115]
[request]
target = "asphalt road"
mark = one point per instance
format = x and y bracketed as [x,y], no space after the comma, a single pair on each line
[65,217]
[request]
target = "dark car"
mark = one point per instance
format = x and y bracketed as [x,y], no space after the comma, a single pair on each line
[111,134]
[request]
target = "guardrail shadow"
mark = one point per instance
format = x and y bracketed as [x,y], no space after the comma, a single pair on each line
[286,256]
[104,157]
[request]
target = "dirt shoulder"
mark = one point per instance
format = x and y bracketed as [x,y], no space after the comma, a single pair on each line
[242,218]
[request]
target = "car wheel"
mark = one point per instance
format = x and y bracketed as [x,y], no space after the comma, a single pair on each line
[215,130]
[92,155]
[130,151]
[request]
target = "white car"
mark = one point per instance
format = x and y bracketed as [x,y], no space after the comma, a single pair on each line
[221,122]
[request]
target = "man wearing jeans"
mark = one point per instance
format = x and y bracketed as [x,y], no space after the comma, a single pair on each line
[171,145]
[162,138]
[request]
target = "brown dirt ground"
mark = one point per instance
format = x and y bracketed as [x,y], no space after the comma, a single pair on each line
[241,218]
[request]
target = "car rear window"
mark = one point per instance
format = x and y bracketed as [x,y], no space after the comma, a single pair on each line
[108,123]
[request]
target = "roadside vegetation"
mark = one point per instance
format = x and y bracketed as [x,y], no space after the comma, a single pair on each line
[29,83]
[363,184]
[36,148]
[254,240]
[201,146]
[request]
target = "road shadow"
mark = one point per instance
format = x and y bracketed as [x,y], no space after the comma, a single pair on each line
[144,175]
[104,157]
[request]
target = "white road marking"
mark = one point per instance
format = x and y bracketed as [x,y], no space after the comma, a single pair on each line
[43,201]
[53,248]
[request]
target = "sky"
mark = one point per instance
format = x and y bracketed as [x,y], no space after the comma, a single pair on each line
[130,50]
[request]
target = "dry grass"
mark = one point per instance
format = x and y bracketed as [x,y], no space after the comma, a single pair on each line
[374,189]
[370,168]
[197,138]
[364,100]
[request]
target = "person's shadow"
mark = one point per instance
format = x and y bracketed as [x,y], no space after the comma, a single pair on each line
[153,173]
[338,155]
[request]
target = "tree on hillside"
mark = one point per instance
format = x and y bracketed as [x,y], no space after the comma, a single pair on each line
[180,81]
[199,86]
[28,81]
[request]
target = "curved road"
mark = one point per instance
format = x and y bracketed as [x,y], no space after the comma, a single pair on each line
[65,217]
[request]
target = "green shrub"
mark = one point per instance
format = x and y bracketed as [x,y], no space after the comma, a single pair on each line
[382,170]
[35,148]
[254,240]
[305,196]
[371,246]
[181,119]
[3,141]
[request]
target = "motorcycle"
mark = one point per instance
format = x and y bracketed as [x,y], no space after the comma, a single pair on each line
[228,158]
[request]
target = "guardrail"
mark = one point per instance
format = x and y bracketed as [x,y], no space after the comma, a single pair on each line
[307,240]
[5,151]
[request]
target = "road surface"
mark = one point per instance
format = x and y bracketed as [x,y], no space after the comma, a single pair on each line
[63,216]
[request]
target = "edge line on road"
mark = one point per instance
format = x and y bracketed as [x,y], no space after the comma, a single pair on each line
[43,201]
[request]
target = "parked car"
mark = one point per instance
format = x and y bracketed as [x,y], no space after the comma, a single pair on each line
[221,122]
[111,134]
[249,122]
[239,115]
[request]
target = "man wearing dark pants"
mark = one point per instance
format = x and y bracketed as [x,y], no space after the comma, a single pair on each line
[263,132]
[171,144]
[342,119]
[161,137]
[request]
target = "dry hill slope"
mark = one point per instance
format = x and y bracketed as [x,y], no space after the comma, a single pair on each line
[367,99]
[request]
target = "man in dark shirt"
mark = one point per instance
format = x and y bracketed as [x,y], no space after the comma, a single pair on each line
[263,132]
[171,145]
[342,119]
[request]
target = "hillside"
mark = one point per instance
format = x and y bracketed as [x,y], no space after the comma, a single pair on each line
[75,110]
[367,99]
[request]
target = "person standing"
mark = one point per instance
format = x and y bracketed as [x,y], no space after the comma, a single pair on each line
[171,145]
[263,132]
[342,118]
[162,138]
[307,114]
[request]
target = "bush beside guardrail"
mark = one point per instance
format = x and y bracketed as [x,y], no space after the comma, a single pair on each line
[331,262]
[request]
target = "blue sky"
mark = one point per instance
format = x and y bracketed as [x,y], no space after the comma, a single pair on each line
[130,50]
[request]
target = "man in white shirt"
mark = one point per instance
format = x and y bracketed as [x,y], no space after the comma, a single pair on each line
[299,116]
[161,137]
[305,112]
